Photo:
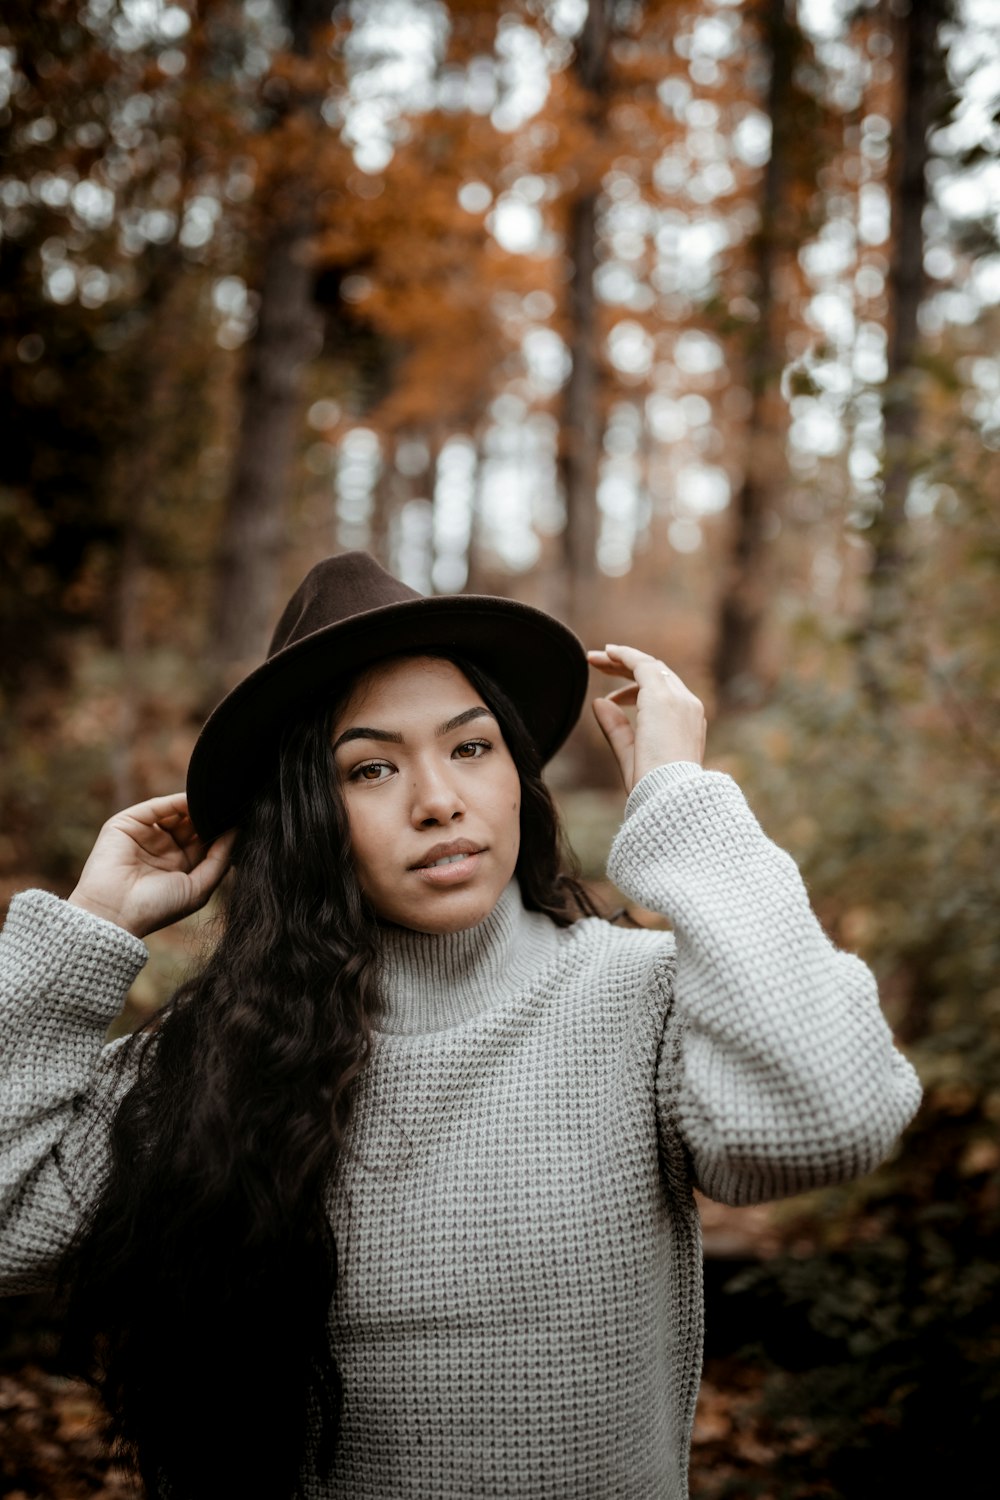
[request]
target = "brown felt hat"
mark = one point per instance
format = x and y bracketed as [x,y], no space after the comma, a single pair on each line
[347,613]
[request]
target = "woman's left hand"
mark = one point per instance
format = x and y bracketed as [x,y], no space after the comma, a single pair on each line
[670,720]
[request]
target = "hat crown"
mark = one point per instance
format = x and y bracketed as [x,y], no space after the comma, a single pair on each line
[335,590]
[347,614]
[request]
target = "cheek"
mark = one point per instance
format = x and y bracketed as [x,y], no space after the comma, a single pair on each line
[514,817]
[366,839]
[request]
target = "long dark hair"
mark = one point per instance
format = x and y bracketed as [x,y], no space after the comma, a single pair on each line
[198,1294]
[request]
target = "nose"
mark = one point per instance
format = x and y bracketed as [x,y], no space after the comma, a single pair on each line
[435,799]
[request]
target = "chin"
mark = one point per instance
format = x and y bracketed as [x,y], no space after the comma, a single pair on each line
[457,911]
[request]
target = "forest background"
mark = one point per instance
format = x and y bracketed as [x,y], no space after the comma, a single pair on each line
[675,317]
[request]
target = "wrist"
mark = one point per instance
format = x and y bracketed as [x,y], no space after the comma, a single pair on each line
[96,908]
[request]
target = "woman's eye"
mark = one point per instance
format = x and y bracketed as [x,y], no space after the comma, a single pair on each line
[370,772]
[472,749]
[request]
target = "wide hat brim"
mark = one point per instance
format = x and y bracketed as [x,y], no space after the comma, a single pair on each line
[535,659]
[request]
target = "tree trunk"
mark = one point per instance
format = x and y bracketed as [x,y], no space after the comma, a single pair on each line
[742,607]
[919,70]
[137,473]
[383,507]
[254,521]
[474,578]
[254,525]
[579,438]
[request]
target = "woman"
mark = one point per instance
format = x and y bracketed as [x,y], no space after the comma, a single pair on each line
[395,1198]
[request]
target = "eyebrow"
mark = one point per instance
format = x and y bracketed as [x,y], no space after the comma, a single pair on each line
[393,737]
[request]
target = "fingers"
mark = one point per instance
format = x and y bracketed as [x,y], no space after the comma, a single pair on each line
[626,655]
[619,734]
[669,723]
[149,867]
[184,834]
[160,824]
[209,870]
[626,661]
[612,664]
[613,722]
[219,853]
[157,809]
[623,661]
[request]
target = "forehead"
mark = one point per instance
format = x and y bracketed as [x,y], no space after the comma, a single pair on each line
[404,684]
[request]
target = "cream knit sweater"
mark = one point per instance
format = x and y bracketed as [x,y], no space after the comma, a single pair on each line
[519,1307]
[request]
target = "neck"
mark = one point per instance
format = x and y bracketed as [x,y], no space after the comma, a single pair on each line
[434,981]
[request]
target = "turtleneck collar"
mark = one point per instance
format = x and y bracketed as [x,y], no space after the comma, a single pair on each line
[433,981]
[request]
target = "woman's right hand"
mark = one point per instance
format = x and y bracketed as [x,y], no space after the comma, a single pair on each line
[149,868]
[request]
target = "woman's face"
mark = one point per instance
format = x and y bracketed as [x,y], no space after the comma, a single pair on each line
[432,795]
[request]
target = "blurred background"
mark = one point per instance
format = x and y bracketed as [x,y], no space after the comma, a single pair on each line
[678,318]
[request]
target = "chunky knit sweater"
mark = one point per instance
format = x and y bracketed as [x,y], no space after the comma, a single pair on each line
[519,1309]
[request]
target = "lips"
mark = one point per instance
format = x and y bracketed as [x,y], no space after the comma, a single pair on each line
[445,851]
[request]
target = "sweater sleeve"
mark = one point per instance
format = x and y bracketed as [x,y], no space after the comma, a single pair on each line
[64,975]
[785,1076]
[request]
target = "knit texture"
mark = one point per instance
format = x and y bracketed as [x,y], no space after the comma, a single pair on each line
[64,975]
[519,1308]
